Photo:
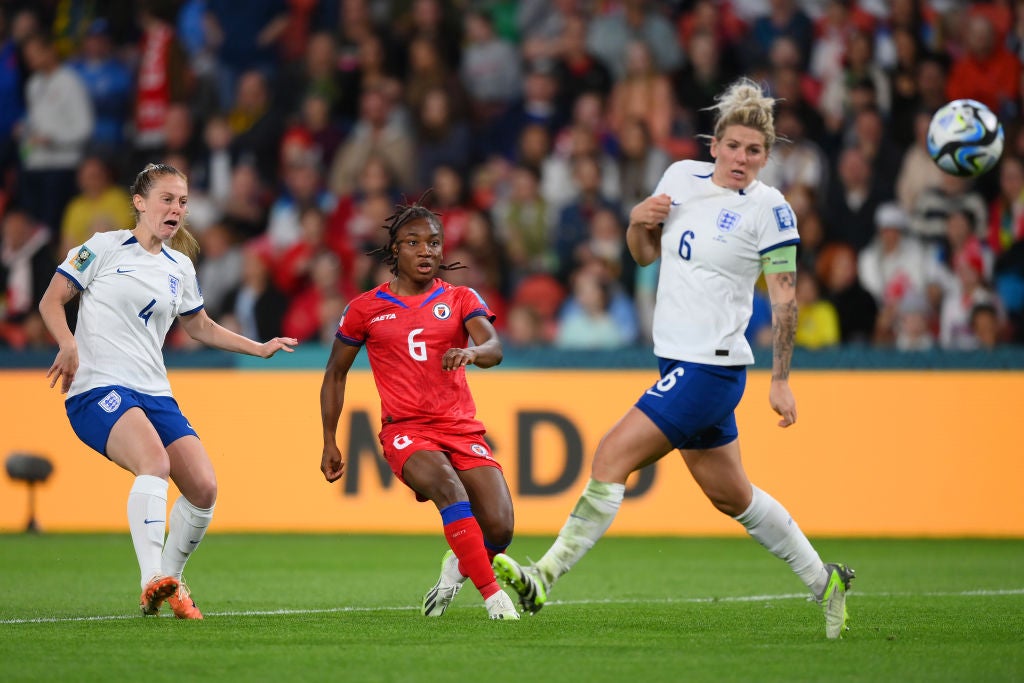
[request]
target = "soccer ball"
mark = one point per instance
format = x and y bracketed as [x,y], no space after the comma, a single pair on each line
[965,138]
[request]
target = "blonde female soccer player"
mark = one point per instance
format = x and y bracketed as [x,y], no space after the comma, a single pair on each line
[134,283]
[715,229]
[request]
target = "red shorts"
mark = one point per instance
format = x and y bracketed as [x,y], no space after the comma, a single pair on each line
[465,451]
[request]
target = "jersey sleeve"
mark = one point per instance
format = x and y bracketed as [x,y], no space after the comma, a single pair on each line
[192,294]
[352,328]
[83,262]
[777,225]
[473,305]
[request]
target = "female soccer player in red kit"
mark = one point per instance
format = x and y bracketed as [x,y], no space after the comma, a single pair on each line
[416,329]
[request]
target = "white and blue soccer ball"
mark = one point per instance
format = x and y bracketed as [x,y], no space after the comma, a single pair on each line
[965,138]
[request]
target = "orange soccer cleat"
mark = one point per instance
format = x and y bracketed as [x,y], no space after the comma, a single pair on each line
[182,603]
[156,591]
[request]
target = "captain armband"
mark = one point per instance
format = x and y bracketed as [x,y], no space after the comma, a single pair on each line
[781,260]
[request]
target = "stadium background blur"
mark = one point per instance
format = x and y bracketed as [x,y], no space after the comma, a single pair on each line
[537,125]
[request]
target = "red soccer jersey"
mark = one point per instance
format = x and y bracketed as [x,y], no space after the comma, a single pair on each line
[405,337]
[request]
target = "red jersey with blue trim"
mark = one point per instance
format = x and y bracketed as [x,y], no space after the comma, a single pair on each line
[405,338]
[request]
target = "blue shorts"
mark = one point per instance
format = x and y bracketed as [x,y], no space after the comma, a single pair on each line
[94,412]
[694,404]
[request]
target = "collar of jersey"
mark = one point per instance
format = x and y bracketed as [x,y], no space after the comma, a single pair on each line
[381,294]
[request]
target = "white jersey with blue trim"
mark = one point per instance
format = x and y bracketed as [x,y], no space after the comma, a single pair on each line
[129,298]
[711,247]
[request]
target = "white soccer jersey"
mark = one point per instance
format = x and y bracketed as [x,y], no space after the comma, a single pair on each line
[129,300]
[711,247]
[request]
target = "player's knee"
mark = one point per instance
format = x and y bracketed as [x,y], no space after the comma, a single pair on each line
[205,493]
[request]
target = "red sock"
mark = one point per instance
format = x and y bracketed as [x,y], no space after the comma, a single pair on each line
[466,539]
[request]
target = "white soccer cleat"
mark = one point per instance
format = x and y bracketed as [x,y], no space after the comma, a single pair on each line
[437,599]
[525,581]
[500,606]
[833,599]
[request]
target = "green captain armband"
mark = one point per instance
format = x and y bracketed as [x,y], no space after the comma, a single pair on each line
[781,260]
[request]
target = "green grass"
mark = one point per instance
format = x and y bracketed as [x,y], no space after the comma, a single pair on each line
[326,607]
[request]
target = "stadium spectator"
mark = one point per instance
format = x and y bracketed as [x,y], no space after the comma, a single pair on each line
[256,307]
[894,264]
[490,69]
[784,19]
[448,198]
[837,271]
[109,82]
[917,171]
[245,36]
[640,163]
[853,197]
[986,71]
[699,80]
[577,70]
[315,76]
[969,290]
[98,207]
[698,360]
[26,266]
[303,189]
[256,127]
[14,27]
[220,268]
[53,136]
[442,139]
[432,439]
[609,36]
[572,227]
[913,323]
[643,92]
[376,133]
[586,322]
[162,77]
[1006,211]
[246,207]
[523,223]
[427,71]
[817,321]
[797,161]
[537,106]
[119,398]
[935,205]
[317,299]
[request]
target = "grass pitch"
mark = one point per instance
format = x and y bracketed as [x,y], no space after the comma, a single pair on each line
[346,608]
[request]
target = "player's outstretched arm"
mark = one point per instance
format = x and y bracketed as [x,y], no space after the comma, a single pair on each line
[332,399]
[486,351]
[201,327]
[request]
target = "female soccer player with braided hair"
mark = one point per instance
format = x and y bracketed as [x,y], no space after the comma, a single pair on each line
[134,283]
[715,229]
[416,329]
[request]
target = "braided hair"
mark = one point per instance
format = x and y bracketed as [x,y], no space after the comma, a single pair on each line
[406,213]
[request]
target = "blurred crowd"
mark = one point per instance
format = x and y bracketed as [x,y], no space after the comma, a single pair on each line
[532,127]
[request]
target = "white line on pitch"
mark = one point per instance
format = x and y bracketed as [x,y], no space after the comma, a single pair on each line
[609,601]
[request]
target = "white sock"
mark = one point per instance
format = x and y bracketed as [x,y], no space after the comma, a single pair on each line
[588,521]
[771,526]
[147,519]
[187,528]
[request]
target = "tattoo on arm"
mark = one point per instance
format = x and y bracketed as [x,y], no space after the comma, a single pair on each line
[784,317]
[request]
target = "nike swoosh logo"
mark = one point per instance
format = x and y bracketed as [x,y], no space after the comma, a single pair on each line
[152,521]
[126,270]
[677,203]
[197,542]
